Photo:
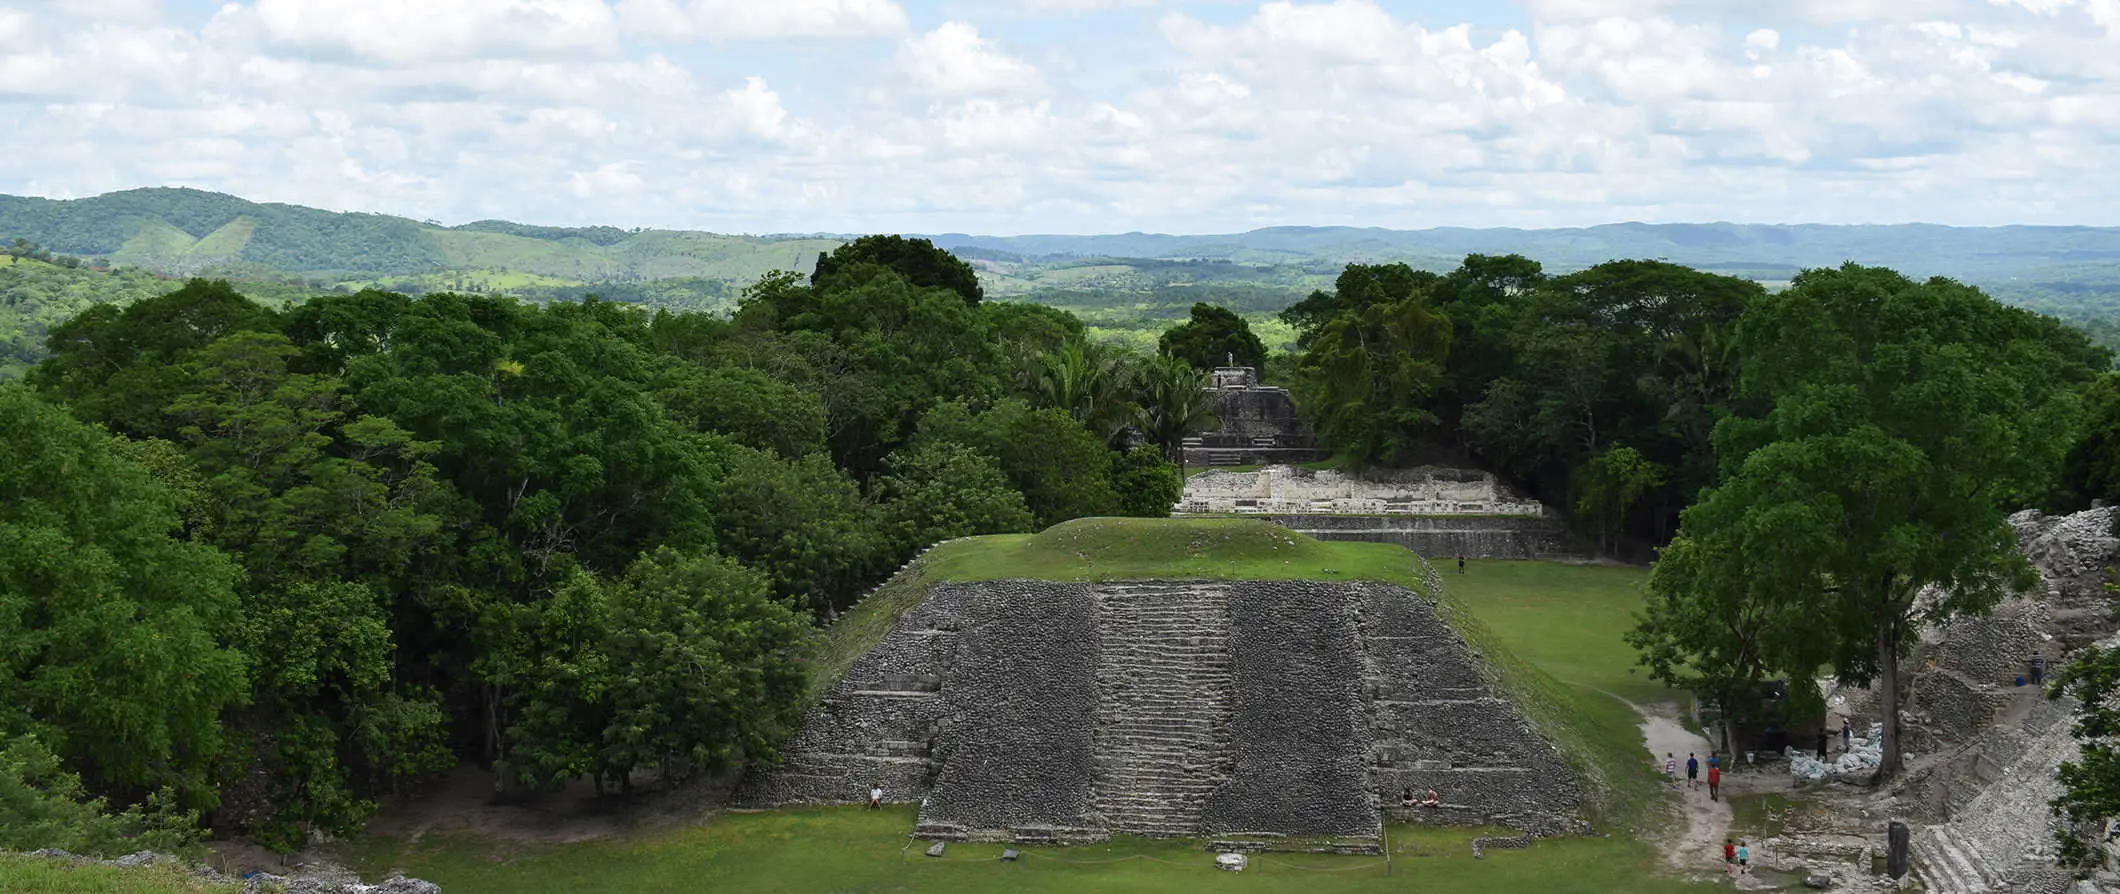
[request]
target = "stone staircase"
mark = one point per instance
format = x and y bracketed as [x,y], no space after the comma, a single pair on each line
[1163,704]
[1945,865]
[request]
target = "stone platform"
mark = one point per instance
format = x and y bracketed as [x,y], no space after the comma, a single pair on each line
[1436,511]
[1266,711]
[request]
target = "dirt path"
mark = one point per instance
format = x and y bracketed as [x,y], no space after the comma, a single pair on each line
[1695,845]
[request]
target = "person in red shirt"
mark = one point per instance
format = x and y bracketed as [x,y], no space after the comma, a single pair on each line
[1729,847]
[1714,783]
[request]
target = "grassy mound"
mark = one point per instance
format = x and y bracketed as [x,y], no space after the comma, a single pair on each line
[1190,548]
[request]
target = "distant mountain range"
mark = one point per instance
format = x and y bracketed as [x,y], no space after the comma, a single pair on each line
[187,231]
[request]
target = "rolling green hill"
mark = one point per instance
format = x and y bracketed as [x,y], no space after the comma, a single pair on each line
[1125,285]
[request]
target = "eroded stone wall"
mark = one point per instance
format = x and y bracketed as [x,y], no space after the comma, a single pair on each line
[1300,731]
[1037,711]
[1439,725]
[1013,749]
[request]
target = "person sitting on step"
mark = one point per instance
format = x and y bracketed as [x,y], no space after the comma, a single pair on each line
[1433,800]
[1406,798]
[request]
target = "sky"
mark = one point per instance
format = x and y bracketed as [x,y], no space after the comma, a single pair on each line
[1079,116]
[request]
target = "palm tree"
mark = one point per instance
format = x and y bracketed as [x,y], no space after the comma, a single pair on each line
[1172,404]
[1087,381]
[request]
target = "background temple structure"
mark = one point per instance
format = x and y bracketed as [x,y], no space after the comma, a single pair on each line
[1259,425]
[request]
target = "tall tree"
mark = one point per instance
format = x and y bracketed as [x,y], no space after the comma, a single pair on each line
[1213,336]
[918,260]
[113,633]
[1904,419]
[1173,403]
[1368,374]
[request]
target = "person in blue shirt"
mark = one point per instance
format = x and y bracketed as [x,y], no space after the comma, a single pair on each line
[1692,772]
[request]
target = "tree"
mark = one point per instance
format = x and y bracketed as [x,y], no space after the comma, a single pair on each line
[111,630]
[800,521]
[1172,403]
[1213,337]
[2090,784]
[1613,483]
[1148,484]
[1087,381]
[42,804]
[1062,470]
[918,260]
[1902,419]
[937,491]
[1368,373]
[749,406]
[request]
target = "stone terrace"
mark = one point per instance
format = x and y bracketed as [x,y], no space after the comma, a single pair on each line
[1030,711]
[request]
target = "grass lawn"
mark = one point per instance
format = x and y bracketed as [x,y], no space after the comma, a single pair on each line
[23,874]
[1566,619]
[847,849]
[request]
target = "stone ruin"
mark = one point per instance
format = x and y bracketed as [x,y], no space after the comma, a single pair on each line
[1436,511]
[1982,749]
[1258,425]
[1271,713]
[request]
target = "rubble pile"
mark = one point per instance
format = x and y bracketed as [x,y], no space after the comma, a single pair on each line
[1857,763]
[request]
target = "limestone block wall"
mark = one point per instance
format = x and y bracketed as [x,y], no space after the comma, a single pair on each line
[1300,728]
[1013,750]
[1446,537]
[1438,724]
[1430,490]
[1035,711]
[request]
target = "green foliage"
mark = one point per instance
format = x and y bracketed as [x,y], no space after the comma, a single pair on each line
[111,629]
[1062,470]
[801,521]
[2090,784]
[1172,403]
[749,406]
[1903,420]
[43,805]
[686,663]
[1214,336]
[1372,360]
[917,260]
[120,367]
[34,297]
[1613,482]
[940,491]
[1148,483]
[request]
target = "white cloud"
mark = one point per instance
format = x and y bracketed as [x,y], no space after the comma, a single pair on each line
[680,20]
[954,59]
[652,112]
[408,31]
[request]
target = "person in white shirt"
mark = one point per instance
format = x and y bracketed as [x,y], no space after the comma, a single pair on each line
[875,797]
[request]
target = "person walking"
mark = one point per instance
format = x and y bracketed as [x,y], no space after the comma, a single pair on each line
[1729,851]
[1744,858]
[1692,772]
[1461,563]
[1714,780]
[1847,735]
[1670,767]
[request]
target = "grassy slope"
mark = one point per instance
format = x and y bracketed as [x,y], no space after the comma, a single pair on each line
[23,873]
[1558,628]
